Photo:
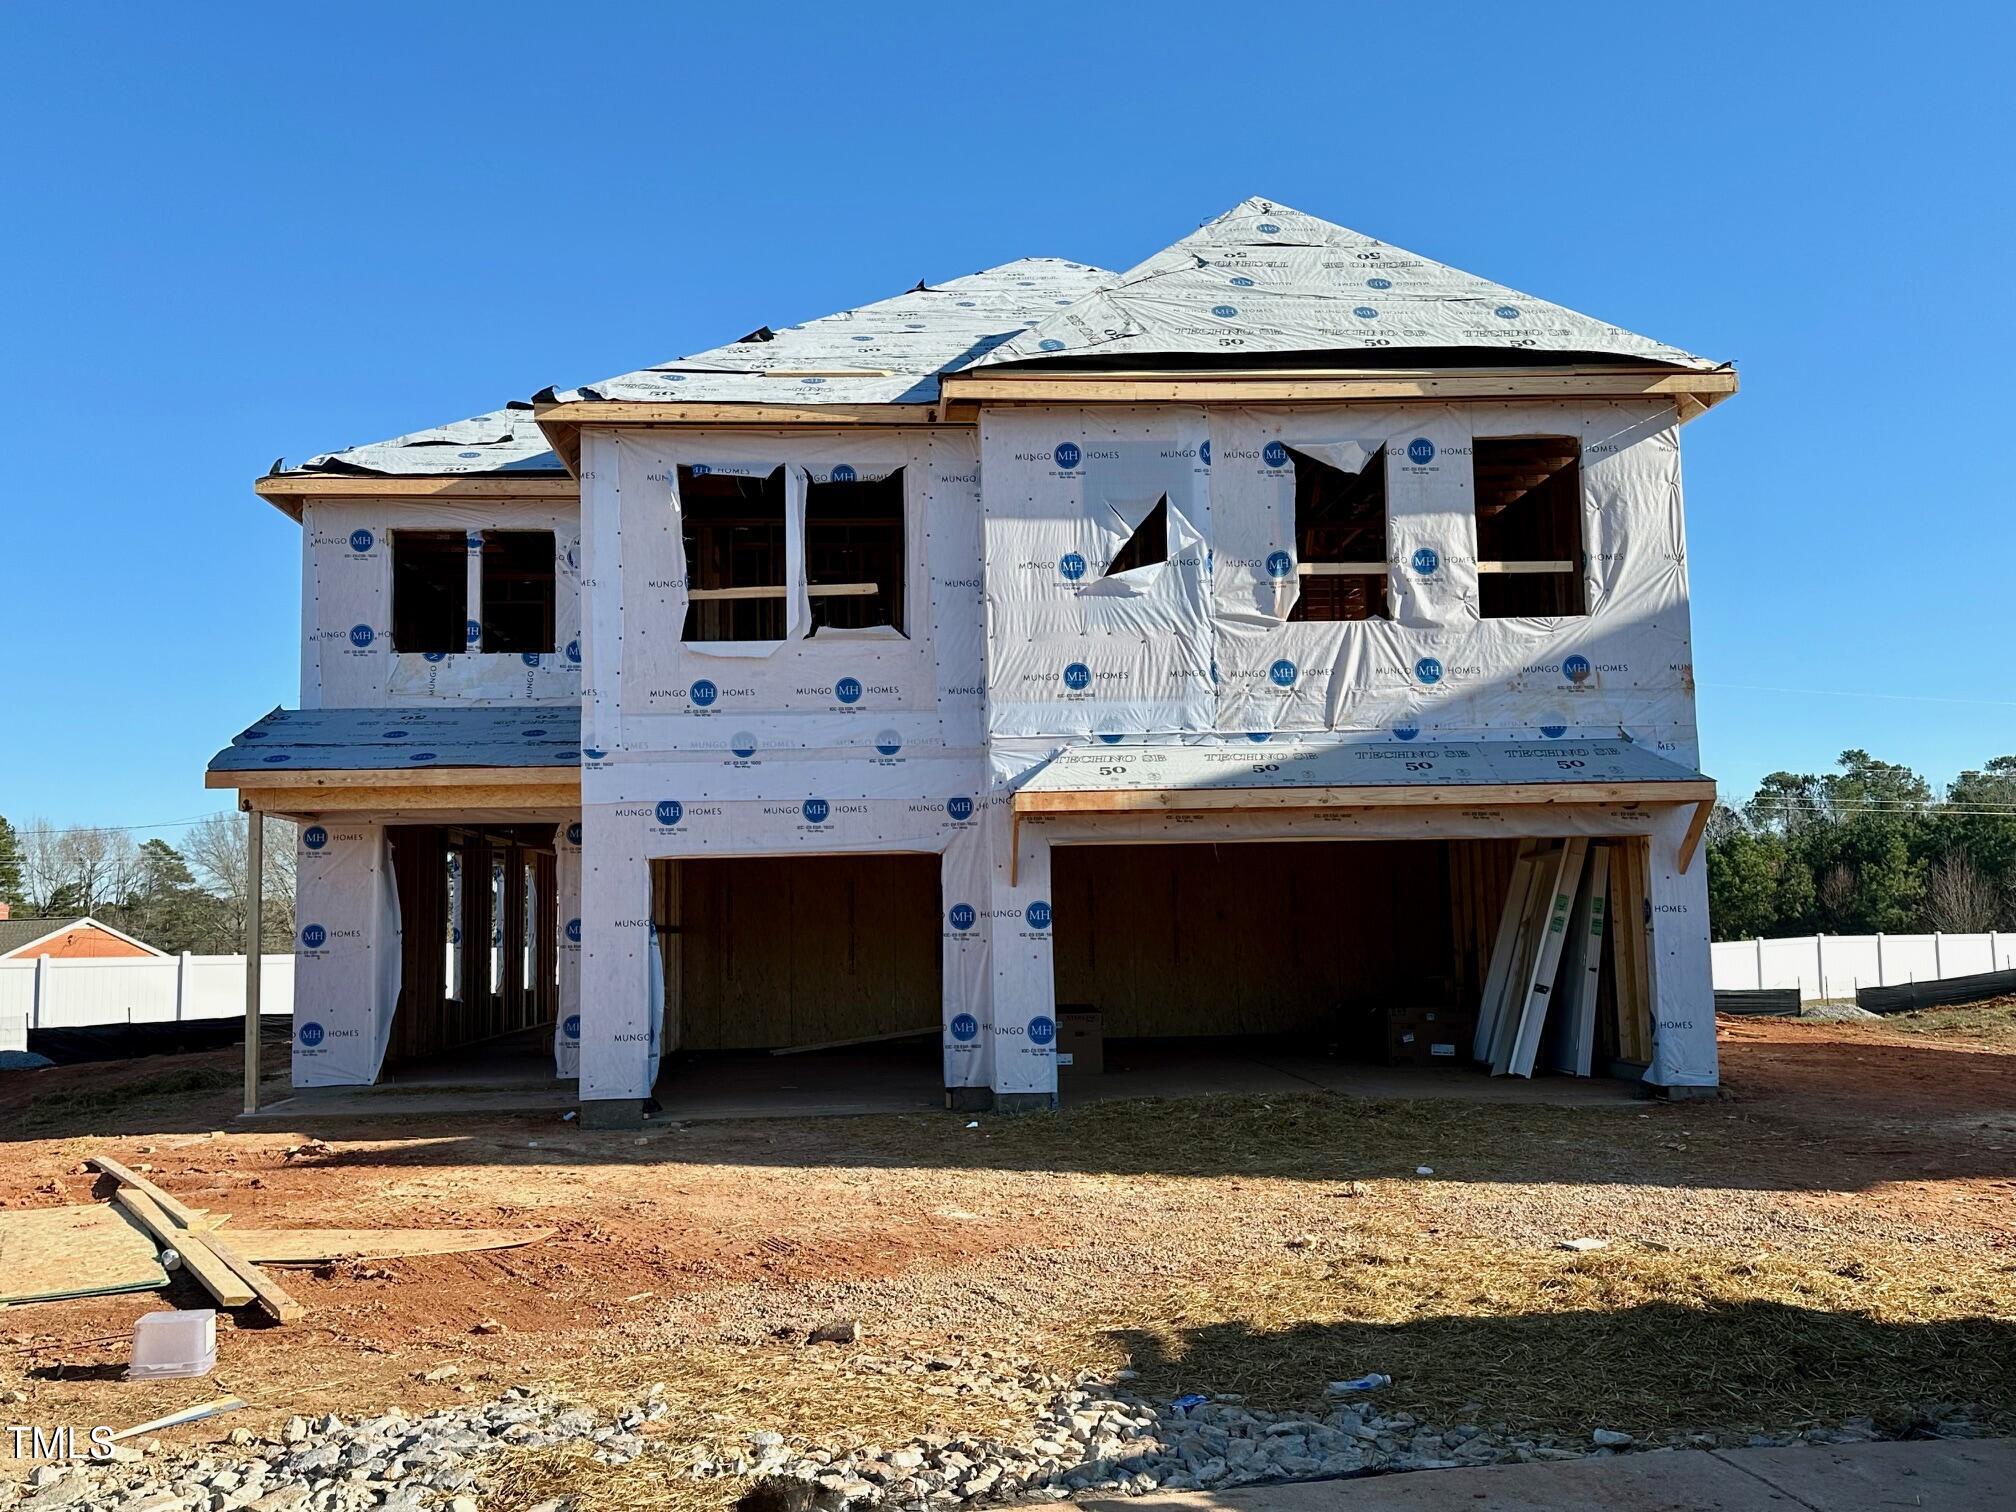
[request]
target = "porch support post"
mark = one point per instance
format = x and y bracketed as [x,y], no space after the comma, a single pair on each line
[255,906]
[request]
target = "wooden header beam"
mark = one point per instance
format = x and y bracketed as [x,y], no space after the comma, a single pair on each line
[434,779]
[1099,801]
[964,392]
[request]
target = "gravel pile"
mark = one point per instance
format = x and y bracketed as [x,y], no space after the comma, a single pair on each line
[1089,1435]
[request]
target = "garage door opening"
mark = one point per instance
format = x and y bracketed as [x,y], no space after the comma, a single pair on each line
[1308,959]
[795,981]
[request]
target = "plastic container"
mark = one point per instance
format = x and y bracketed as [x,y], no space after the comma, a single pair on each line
[170,1345]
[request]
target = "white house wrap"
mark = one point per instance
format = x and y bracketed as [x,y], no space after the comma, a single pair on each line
[1038,561]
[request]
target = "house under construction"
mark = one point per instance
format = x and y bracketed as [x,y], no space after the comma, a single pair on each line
[1286,638]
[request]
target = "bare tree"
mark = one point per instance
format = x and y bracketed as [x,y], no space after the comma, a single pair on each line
[216,851]
[1958,898]
[79,869]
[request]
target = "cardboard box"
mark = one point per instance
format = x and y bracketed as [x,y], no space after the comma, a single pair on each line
[1081,1041]
[1428,1036]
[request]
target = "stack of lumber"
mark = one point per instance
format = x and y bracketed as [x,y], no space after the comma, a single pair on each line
[48,1254]
[1568,900]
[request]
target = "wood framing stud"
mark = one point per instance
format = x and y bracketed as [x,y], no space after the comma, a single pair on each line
[1695,828]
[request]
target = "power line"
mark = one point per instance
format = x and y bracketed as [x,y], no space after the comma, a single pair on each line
[122,829]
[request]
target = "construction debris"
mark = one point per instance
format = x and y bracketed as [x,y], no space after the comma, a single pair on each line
[50,1254]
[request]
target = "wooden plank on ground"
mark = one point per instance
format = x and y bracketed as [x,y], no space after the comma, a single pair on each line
[315,1246]
[174,1207]
[190,1244]
[47,1254]
[273,1298]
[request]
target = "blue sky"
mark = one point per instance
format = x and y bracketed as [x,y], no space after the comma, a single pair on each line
[242,232]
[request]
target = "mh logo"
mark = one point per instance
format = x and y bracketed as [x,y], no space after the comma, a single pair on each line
[1042,1029]
[472,631]
[1049,344]
[964,1027]
[314,937]
[959,810]
[1037,915]
[1554,732]
[1366,312]
[530,658]
[1204,451]
[1426,562]
[888,742]
[1269,228]
[311,1034]
[572,1027]
[1225,312]
[1576,669]
[1406,732]
[703,693]
[574,833]
[361,540]
[1111,737]
[360,635]
[743,744]
[1428,670]
[815,810]
[670,811]
[848,690]
[961,916]
[1071,565]
[1507,312]
[1274,454]
[1242,283]
[1279,564]
[1282,673]
[574,652]
[1420,451]
[314,837]
[434,656]
[1077,676]
[1378,283]
[574,931]
[843,474]
[1067,455]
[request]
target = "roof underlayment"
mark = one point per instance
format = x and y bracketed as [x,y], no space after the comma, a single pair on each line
[1197,768]
[399,739]
[1260,281]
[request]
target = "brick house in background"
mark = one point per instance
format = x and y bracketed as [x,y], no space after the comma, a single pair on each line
[76,936]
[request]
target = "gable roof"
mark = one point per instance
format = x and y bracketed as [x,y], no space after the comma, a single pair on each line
[1264,279]
[19,934]
[1260,280]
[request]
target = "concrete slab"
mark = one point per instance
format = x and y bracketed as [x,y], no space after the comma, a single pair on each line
[1949,1475]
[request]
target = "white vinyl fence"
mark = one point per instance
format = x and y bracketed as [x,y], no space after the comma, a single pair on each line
[1833,966]
[53,993]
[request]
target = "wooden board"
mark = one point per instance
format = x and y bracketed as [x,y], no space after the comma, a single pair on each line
[1504,948]
[1546,951]
[273,1298]
[315,1246]
[1570,1040]
[197,1259]
[50,1253]
[174,1207]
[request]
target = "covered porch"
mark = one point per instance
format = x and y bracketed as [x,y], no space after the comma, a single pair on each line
[438,866]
